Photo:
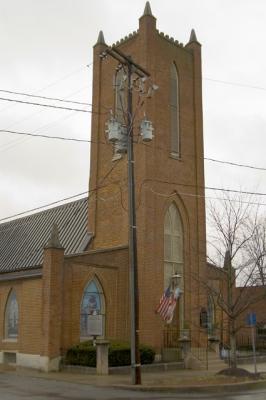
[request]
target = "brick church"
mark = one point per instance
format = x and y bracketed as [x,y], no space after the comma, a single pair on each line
[64,272]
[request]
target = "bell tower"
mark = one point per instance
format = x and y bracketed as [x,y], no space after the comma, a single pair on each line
[169,170]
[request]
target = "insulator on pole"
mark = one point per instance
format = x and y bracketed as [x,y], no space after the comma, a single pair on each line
[114,130]
[146,130]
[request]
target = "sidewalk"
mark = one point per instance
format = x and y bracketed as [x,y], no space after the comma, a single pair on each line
[183,380]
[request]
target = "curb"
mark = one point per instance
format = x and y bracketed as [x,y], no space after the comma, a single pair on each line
[123,370]
[171,388]
[221,388]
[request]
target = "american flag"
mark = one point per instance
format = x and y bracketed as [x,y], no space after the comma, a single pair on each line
[167,304]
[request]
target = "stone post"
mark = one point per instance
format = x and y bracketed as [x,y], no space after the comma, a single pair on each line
[185,345]
[214,344]
[102,356]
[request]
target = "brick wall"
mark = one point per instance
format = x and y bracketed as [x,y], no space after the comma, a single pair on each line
[110,267]
[49,307]
[29,297]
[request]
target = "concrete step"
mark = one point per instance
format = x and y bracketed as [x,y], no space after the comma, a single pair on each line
[201,359]
[215,362]
[216,365]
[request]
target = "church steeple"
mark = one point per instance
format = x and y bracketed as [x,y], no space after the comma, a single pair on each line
[193,40]
[100,39]
[177,103]
[147,10]
[147,20]
[193,37]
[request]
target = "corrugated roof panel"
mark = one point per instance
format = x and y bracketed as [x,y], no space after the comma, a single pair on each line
[22,240]
[79,230]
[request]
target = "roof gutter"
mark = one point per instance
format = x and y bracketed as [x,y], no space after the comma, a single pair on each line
[26,274]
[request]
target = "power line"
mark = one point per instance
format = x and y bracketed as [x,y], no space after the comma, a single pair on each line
[193,195]
[160,148]
[17,142]
[89,104]
[13,143]
[203,196]
[206,158]
[206,187]
[66,222]
[64,77]
[222,81]
[233,191]
[241,192]
[47,105]
[45,97]
[235,84]
[235,164]
[55,82]
[46,205]
[64,199]
[48,136]
[70,197]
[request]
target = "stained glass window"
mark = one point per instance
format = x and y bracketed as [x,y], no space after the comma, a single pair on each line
[92,305]
[11,316]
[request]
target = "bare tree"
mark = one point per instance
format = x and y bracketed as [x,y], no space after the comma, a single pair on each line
[256,249]
[236,241]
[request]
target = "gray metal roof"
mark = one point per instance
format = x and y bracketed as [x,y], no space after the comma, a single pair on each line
[22,240]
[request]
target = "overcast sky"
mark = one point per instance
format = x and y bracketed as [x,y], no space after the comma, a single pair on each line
[45,48]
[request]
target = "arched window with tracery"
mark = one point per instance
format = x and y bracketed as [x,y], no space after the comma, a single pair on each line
[174,110]
[11,316]
[92,310]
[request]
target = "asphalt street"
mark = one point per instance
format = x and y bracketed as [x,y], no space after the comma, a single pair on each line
[16,387]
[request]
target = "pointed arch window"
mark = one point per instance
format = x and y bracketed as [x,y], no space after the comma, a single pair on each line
[120,96]
[173,244]
[11,316]
[174,110]
[92,310]
[120,86]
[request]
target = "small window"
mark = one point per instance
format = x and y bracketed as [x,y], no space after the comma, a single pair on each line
[261,329]
[203,318]
[11,316]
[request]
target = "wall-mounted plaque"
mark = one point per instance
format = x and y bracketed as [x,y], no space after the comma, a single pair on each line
[95,325]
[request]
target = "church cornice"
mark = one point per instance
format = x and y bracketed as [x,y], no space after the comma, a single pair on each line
[125,39]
